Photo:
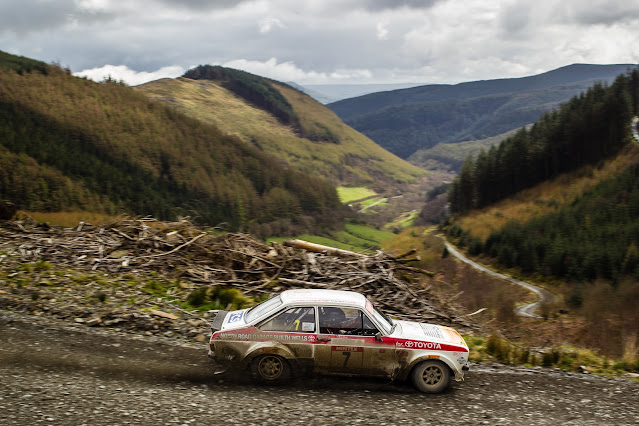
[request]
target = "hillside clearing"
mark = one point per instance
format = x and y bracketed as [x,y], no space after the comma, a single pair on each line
[348,194]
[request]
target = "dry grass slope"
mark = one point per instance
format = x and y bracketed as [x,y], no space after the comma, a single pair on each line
[546,197]
[355,159]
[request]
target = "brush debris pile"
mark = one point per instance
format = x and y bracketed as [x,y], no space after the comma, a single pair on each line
[199,259]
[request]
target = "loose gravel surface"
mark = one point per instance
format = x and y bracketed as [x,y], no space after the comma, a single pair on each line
[54,373]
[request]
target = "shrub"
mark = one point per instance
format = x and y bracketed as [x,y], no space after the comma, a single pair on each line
[155,287]
[230,298]
[475,247]
[42,265]
[551,358]
[197,297]
[498,348]
[522,355]
[217,297]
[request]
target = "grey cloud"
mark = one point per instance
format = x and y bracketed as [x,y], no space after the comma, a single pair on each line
[320,36]
[204,4]
[397,4]
[34,15]
[515,20]
[608,14]
[37,15]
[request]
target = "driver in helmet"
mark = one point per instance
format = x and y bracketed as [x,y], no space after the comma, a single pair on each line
[335,321]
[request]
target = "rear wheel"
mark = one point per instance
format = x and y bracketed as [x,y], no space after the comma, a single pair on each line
[270,368]
[431,376]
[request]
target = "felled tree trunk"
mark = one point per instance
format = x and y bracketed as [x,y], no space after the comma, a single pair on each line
[318,248]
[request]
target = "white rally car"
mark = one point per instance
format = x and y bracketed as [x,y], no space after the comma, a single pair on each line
[336,332]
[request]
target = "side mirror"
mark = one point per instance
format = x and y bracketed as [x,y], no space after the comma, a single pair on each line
[378,336]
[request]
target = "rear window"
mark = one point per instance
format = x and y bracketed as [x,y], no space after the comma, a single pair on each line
[263,308]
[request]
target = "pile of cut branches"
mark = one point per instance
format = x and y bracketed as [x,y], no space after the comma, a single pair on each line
[200,259]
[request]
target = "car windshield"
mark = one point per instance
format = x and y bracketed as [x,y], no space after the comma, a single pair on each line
[382,319]
[263,308]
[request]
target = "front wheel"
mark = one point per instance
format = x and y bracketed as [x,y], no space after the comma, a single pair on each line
[431,376]
[270,368]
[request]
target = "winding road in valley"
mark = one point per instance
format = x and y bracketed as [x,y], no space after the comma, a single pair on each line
[529,310]
[543,296]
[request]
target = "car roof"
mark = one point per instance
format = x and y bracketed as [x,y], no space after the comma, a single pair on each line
[329,297]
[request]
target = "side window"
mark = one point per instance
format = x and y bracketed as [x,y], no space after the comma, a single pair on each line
[335,320]
[298,320]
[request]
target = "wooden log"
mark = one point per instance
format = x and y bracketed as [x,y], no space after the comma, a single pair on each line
[318,248]
[406,254]
[302,283]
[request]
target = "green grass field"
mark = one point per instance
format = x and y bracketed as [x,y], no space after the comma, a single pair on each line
[406,220]
[368,232]
[352,193]
[372,201]
[354,237]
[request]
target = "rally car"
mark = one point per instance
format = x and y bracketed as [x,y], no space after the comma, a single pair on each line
[335,332]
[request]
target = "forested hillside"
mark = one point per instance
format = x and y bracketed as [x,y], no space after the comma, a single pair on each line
[451,156]
[589,128]
[576,227]
[595,237]
[284,122]
[404,121]
[68,143]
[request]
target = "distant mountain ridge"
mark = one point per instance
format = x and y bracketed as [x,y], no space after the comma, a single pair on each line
[451,156]
[404,121]
[329,93]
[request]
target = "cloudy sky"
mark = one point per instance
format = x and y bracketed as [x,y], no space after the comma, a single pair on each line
[322,41]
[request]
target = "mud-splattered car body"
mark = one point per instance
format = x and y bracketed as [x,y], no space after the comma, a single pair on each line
[336,332]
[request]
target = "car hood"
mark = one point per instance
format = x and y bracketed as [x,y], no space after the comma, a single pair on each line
[427,332]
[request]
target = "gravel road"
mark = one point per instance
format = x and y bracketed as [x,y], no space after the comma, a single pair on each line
[54,373]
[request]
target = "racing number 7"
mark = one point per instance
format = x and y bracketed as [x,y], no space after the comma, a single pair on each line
[347,355]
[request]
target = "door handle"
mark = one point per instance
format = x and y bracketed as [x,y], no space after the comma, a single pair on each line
[322,339]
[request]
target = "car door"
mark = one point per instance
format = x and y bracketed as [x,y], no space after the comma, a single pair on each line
[337,352]
[351,347]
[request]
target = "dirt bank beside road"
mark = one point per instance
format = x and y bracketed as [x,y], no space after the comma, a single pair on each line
[53,373]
